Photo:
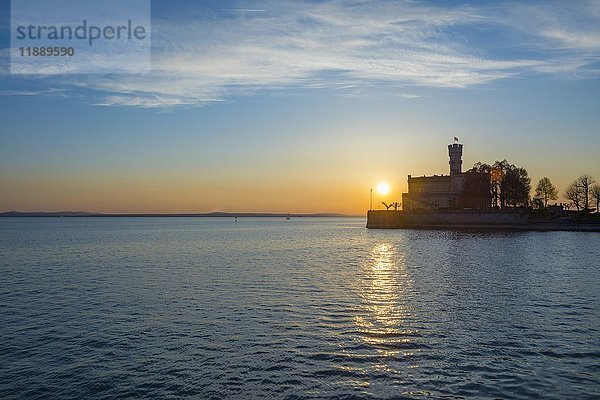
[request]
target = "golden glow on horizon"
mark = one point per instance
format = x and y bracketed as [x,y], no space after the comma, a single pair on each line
[383,188]
[301,179]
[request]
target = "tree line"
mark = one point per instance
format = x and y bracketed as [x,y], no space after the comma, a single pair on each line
[510,186]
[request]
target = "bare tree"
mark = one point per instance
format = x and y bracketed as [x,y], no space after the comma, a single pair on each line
[395,205]
[574,194]
[595,192]
[584,183]
[545,191]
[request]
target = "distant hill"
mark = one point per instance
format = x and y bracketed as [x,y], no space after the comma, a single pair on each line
[212,214]
[48,214]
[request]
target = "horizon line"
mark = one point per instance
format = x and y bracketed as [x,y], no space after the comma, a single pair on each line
[13,213]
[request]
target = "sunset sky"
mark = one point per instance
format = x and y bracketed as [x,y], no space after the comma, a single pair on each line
[303,106]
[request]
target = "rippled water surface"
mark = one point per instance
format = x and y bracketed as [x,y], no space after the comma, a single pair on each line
[306,308]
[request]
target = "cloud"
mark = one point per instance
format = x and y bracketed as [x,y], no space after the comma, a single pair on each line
[31,92]
[151,101]
[409,96]
[349,45]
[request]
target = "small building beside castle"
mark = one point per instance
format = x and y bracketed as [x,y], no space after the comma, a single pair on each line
[458,190]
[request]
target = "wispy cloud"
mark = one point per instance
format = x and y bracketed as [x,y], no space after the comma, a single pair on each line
[31,92]
[243,10]
[571,26]
[348,45]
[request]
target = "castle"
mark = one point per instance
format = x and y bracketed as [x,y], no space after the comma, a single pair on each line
[459,190]
[463,200]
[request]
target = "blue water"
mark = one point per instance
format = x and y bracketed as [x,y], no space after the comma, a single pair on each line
[306,308]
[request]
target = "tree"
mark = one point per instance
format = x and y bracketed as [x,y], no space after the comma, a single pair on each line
[509,185]
[517,186]
[584,183]
[595,192]
[537,203]
[487,169]
[573,193]
[545,191]
[499,171]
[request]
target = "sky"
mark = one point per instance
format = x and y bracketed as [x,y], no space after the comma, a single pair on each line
[303,106]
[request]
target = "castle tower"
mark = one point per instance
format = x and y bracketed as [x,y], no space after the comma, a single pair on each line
[455,153]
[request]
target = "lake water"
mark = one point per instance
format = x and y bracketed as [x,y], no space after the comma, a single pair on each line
[306,308]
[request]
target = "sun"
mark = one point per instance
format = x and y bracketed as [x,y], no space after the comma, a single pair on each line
[383,188]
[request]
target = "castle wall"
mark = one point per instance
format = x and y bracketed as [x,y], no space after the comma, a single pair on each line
[433,192]
[383,219]
[480,220]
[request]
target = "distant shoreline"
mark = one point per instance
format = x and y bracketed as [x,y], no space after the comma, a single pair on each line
[199,215]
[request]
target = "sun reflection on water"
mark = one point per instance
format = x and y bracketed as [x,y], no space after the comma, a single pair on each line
[385,289]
